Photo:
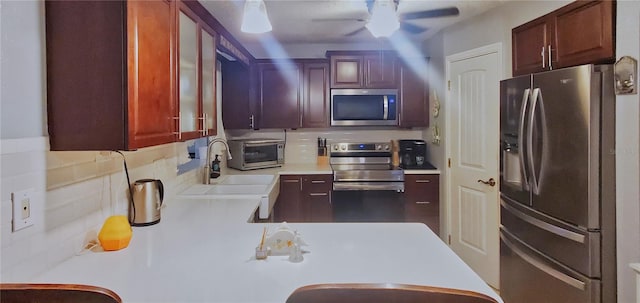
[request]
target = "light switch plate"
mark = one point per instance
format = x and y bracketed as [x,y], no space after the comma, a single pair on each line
[22,201]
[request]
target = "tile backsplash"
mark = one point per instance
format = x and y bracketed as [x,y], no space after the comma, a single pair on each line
[74,192]
[301,145]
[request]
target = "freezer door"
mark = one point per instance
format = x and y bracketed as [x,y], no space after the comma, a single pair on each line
[515,96]
[576,248]
[527,276]
[563,145]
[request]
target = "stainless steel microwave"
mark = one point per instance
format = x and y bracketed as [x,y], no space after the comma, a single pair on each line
[364,107]
[256,153]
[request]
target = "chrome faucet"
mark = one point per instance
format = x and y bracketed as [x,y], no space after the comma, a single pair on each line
[207,167]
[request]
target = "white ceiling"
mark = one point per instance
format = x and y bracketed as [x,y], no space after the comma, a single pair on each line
[294,20]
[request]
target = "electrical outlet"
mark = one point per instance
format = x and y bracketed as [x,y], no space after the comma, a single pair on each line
[22,202]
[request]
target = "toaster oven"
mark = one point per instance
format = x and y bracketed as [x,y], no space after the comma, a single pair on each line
[250,154]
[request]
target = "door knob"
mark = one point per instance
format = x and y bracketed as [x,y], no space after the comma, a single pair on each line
[491,182]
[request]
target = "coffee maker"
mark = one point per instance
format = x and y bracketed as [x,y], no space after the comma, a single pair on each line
[413,154]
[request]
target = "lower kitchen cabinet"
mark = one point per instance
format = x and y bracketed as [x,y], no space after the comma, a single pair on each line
[288,206]
[422,200]
[304,198]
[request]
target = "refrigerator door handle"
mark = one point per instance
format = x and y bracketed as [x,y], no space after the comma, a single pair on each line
[532,117]
[541,266]
[544,225]
[537,108]
[523,111]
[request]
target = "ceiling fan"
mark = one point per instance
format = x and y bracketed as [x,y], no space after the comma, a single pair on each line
[402,18]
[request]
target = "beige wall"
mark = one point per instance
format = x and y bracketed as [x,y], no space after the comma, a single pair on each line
[22,57]
[495,26]
[73,193]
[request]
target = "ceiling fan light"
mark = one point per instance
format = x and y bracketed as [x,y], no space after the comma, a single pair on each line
[254,18]
[384,21]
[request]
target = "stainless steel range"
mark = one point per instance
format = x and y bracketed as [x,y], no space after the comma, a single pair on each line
[366,187]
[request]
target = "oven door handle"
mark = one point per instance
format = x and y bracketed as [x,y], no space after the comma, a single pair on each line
[394,186]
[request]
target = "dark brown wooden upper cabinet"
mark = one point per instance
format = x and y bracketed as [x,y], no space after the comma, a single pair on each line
[346,71]
[584,33]
[581,32]
[362,69]
[379,70]
[529,44]
[315,94]
[196,99]
[279,94]
[237,110]
[414,92]
[110,74]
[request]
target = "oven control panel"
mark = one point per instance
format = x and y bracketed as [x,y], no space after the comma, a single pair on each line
[361,147]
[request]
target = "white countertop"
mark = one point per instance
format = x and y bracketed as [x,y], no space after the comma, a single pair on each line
[202,251]
[421,171]
[314,169]
[287,169]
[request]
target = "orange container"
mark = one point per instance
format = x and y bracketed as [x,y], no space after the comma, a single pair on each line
[115,233]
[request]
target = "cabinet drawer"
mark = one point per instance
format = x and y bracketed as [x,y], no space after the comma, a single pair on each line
[428,207]
[422,200]
[418,186]
[318,184]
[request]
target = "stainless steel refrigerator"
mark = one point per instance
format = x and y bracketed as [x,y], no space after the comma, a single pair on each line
[557,189]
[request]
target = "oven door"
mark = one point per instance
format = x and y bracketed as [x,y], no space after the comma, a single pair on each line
[368,201]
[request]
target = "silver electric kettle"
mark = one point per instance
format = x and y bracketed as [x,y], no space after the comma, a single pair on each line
[147,195]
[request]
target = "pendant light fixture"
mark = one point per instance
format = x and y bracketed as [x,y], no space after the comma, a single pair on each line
[384,21]
[254,18]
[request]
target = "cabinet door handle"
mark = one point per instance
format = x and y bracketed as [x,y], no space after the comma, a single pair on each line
[179,132]
[423,181]
[318,181]
[291,181]
[549,47]
[423,202]
[318,194]
[204,124]
[543,61]
[251,122]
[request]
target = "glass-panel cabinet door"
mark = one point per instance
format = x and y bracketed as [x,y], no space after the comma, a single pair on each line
[188,70]
[208,89]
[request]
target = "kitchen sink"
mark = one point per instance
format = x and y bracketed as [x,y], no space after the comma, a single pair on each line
[265,188]
[247,180]
[214,190]
[226,189]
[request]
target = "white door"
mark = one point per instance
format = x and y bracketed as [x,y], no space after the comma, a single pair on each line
[474,121]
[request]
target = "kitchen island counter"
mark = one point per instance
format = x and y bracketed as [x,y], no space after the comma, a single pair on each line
[203,251]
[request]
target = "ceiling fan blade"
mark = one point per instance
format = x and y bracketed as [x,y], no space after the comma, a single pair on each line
[338,19]
[355,32]
[412,28]
[432,13]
